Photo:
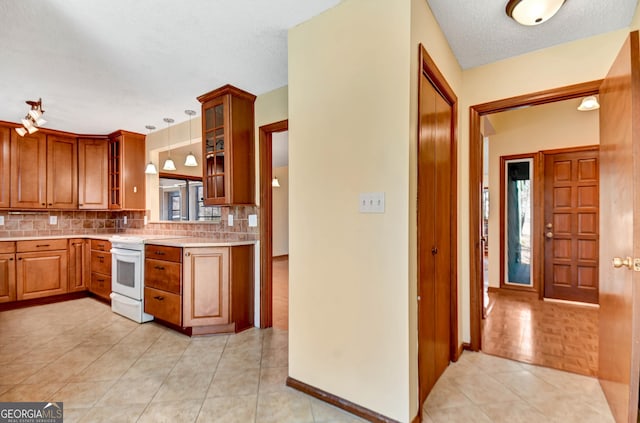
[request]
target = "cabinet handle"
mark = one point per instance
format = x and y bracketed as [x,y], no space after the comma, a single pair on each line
[42,245]
[159,267]
[43,204]
[19,258]
[11,259]
[50,204]
[159,297]
[159,253]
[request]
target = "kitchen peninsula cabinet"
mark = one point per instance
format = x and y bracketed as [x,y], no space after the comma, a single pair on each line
[43,171]
[79,264]
[41,268]
[228,146]
[93,170]
[100,283]
[7,272]
[5,166]
[126,171]
[163,283]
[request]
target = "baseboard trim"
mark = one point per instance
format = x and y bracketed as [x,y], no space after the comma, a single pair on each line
[42,301]
[466,346]
[573,303]
[281,257]
[416,419]
[342,403]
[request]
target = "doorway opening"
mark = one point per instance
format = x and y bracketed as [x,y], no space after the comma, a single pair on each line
[277,131]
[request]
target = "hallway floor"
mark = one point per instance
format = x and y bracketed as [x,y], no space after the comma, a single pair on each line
[562,336]
[280,304]
[481,388]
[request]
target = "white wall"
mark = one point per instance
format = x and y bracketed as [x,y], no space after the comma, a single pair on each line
[529,130]
[280,216]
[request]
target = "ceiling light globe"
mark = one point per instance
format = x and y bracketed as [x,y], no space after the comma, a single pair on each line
[533,12]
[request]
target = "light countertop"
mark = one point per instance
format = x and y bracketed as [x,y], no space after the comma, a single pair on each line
[189,242]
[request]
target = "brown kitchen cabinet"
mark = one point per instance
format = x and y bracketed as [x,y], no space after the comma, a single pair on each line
[5,166]
[100,282]
[43,171]
[126,178]
[228,146]
[7,272]
[41,268]
[163,283]
[93,171]
[79,264]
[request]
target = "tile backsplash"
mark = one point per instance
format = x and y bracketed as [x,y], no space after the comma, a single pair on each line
[37,223]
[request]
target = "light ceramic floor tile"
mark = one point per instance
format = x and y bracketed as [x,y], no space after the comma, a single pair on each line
[131,391]
[184,387]
[115,413]
[483,389]
[273,379]
[445,394]
[80,394]
[524,383]
[326,413]
[29,393]
[232,383]
[238,409]
[468,414]
[284,407]
[171,412]
[512,412]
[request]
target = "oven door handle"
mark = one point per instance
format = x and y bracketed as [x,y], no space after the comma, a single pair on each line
[120,252]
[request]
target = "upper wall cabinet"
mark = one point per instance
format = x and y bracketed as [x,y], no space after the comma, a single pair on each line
[93,169]
[43,171]
[228,146]
[126,171]
[5,166]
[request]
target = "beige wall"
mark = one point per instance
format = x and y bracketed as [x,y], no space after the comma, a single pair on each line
[280,215]
[547,127]
[349,75]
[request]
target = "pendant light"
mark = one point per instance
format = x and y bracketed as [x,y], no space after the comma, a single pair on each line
[589,103]
[151,168]
[168,164]
[190,160]
[275,183]
[533,12]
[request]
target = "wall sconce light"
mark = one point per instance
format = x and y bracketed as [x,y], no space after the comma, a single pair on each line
[168,164]
[33,119]
[275,183]
[532,12]
[190,160]
[151,168]
[589,103]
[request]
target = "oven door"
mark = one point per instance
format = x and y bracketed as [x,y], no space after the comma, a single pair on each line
[126,272]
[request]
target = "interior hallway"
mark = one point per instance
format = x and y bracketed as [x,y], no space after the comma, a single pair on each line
[280,292]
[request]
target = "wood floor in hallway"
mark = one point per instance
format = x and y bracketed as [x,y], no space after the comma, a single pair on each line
[281,292]
[556,335]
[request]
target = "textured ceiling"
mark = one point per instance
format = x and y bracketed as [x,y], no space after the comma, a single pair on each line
[480,32]
[102,65]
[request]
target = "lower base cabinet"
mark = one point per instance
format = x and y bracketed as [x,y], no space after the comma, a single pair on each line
[213,294]
[41,268]
[7,272]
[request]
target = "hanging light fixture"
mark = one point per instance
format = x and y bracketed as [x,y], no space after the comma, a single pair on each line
[275,183]
[33,119]
[151,168]
[589,103]
[190,160]
[168,164]
[533,12]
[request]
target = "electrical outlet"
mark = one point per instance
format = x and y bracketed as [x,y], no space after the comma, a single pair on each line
[230,220]
[1,220]
[53,220]
[253,220]
[145,220]
[124,220]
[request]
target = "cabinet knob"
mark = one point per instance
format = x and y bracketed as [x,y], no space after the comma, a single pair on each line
[43,204]
[11,259]
[158,297]
[187,254]
[159,267]
[50,204]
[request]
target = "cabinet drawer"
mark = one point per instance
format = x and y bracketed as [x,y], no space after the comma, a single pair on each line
[163,305]
[100,285]
[100,245]
[160,252]
[163,275]
[41,245]
[7,247]
[101,262]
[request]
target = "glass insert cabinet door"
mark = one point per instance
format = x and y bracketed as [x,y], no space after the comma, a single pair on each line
[215,149]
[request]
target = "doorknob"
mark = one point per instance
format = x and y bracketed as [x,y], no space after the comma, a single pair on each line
[619,262]
[549,234]
[549,225]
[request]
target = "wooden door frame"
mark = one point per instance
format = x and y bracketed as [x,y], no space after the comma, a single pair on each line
[430,70]
[475,182]
[265,138]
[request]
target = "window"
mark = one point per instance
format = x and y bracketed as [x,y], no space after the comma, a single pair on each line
[182,200]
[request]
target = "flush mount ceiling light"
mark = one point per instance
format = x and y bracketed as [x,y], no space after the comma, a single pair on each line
[33,119]
[190,160]
[168,164]
[589,103]
[533,12]
[151,168]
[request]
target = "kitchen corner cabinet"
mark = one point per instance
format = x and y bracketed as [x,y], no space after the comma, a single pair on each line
[100,282]
[41,268]
[93,169]
[79,264]
[5,166]
[43,171]
[228,146]
[126,171]
[7,272]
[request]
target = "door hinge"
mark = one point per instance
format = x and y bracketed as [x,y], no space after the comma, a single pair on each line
[636,265]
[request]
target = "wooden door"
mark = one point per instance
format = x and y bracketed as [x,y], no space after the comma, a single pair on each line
[62,172]
[41,274]
[93,170]
[571,217]
[79,264]
[619,350]
[28,170]
[133,176]
[205,286]
[7,277]
[5,166]
[434,236]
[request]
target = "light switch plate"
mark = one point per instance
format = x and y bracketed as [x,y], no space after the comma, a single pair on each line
[253,220]
[124,220]
[145,220]
[230,220]
[53,220]
[371,202]
[1,220]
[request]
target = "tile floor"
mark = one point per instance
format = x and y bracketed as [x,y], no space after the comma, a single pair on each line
[280,302]
[481,388]
[106,368]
